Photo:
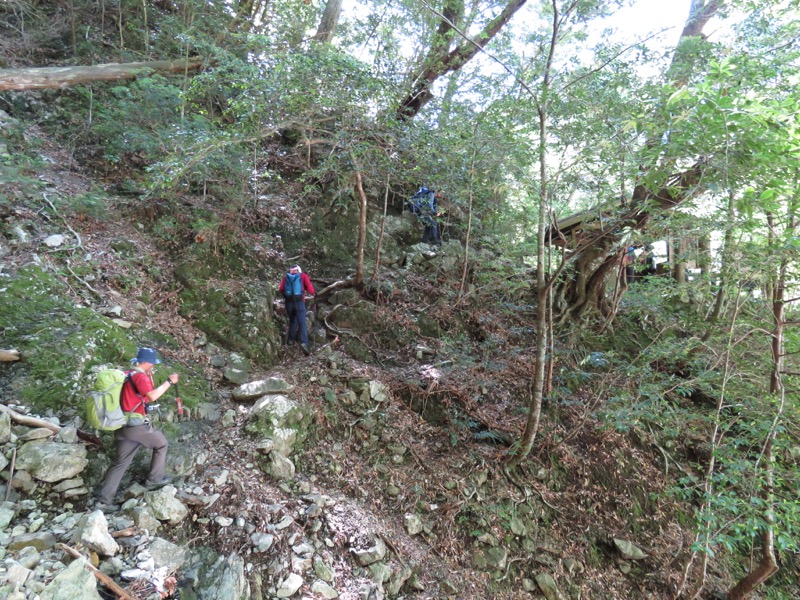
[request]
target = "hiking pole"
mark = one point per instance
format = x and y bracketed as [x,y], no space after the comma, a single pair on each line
[178,402]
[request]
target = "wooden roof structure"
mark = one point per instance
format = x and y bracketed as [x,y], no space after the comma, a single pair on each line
[569,231]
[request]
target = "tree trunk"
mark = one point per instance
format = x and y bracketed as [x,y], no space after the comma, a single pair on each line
[680,263]
[329,21]
[362,231]
[60,77]
[636,214]
[374,276]
[704,254]
[726,270]
[768,565]
[440,60]
[543,280]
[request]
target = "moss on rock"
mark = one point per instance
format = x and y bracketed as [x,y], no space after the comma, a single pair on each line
[61,343]
[234,316]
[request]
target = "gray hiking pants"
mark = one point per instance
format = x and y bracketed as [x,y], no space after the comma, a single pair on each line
[128,441]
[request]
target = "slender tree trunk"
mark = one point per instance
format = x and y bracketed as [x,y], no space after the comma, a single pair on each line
[704,254]
[362,230]
[243,21]
[380,236]
[680,264]
[725,268]
[145,31]
[464,271]
[72,27]
[542,279]
[768,564]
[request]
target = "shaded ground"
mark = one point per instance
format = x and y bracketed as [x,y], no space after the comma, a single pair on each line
[435,448]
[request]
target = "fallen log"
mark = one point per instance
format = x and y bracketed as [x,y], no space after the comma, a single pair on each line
[34,422]
[39,78]
[127,532]
[9,355]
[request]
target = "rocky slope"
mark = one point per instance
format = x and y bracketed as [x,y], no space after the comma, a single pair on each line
[371,469]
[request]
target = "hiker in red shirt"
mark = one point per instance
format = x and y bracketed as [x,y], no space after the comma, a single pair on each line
[137,391]
[293,287]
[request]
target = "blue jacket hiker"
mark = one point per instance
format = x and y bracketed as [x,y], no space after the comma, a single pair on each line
[423,204]
[294,286]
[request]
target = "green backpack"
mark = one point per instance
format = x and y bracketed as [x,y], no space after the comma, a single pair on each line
[103,409]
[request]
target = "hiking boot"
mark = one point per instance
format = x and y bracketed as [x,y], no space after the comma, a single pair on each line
[306,351]
[154,485]
[106,507]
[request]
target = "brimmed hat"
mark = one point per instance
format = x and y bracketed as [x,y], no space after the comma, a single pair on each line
[147,355]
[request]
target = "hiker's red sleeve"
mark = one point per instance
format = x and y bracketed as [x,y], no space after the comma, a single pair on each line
[307,285]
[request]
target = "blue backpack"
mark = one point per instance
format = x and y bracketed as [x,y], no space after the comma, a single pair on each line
[423,202]
[294,286]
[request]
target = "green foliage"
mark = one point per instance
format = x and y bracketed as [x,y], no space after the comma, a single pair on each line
[674,385]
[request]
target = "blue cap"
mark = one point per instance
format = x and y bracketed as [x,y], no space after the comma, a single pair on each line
[147,355]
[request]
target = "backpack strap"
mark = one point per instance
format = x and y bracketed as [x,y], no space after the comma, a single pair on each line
[129,379]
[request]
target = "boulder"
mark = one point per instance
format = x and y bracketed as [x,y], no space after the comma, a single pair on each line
[7,512]
[548,586]
[628,550]
[23,481]
[75,582]
[52,461]
[92,532]
[262,387]
[492,558]
[144,518]
[16,574]
[378,391]
[372,554]
[322,570]
[29,557]
[289,586]
[208,411]
[262,541]
[41,540]
[211,577]
[234,375]
[38,433]
[68,484]
[167,555]
[281,420]
[413,524]
[323,589]
[165,506]
[280,467]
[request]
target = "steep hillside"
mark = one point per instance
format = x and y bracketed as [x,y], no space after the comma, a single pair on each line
[390,480]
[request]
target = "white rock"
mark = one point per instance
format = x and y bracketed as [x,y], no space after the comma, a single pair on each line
[54,241]
[92,532]
[289,586]
[324,590]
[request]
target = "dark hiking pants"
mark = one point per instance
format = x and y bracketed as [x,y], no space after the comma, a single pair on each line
[128,441]
[296,309]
